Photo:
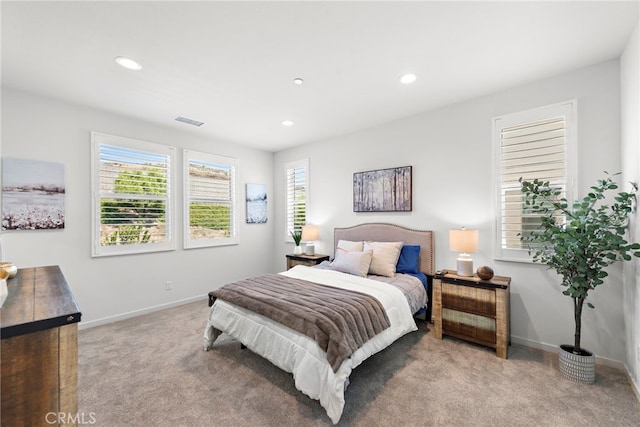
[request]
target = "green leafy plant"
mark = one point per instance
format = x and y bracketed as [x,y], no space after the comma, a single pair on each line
[210,216]
[581,240]
[297,236]
[127,235]
[147,210]
[133,219]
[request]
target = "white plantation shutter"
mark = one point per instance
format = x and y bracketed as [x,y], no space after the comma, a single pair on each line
[537,144]
[210,200]
[297,195]
[132,197]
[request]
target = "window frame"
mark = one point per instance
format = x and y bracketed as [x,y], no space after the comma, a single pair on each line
[295,164]
[233,163]
[569,111]
[97,250]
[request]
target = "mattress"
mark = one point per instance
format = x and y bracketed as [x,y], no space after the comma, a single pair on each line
[300,355]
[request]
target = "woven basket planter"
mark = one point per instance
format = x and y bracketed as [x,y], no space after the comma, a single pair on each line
[577,367]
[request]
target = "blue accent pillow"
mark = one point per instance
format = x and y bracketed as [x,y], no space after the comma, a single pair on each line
[408,260]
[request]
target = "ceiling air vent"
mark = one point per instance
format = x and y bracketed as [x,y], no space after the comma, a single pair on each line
[189,121]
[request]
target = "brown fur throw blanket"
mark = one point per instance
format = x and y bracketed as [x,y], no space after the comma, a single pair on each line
[339,320]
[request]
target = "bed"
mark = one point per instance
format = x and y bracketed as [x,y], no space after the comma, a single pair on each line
[320,364]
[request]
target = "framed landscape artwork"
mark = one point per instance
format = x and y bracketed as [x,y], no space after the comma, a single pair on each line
[32,195]
[383,190]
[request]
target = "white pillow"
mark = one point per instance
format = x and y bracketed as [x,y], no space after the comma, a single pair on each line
[356,263]
[350,246]
[385,257]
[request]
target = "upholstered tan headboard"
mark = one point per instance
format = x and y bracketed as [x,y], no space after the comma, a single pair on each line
[379,232]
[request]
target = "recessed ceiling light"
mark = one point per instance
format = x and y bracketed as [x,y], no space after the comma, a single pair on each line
[287,123]
[298,81]
[408,78]
[128,63]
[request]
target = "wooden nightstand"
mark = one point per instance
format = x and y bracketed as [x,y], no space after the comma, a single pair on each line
[303,259]
[473,309]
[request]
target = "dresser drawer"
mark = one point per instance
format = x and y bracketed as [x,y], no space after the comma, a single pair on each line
[469,299]
[300,262]
[479,329]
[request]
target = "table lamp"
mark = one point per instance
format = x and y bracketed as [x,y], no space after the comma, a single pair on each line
[465,242]
[309,234]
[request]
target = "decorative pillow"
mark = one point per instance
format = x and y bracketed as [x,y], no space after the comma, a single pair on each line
[356,263]
[408,260]
[350,246]
[385,257]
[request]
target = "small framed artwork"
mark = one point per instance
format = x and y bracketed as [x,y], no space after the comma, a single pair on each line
[383,190]
[256,203]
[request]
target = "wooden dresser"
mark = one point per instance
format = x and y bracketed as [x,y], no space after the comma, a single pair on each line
[39,323]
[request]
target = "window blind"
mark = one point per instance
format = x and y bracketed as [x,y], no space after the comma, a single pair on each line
[210,199]
[297,187]
[534,144]
[529,151]
[133,196]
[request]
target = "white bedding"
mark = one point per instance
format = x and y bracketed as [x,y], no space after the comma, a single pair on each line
[300,355]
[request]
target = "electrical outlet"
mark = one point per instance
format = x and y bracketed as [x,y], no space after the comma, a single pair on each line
[168,285]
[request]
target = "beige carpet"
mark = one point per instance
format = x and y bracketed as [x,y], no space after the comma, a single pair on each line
[151,371]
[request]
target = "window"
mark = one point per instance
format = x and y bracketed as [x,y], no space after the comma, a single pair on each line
[539,143]
[297,179]
[132,201]
[210,200]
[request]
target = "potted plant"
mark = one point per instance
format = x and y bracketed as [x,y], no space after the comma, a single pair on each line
[579,242]
[297,237]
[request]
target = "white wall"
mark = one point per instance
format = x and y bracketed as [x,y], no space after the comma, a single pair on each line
[630,100]
[451,153]
[449,149]
[44,129]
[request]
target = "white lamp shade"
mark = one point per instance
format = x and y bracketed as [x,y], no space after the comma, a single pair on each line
[463,241]
[309,232]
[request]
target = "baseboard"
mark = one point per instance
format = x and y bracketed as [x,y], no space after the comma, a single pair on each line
[634,385]
[599,360]
[123,316]
[554,349]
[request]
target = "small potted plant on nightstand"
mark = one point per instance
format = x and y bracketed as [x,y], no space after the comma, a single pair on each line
[296,235]
[579,242]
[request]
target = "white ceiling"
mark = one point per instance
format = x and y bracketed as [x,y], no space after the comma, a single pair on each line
[232,64]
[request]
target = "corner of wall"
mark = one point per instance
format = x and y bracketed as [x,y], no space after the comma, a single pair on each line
[630,133]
